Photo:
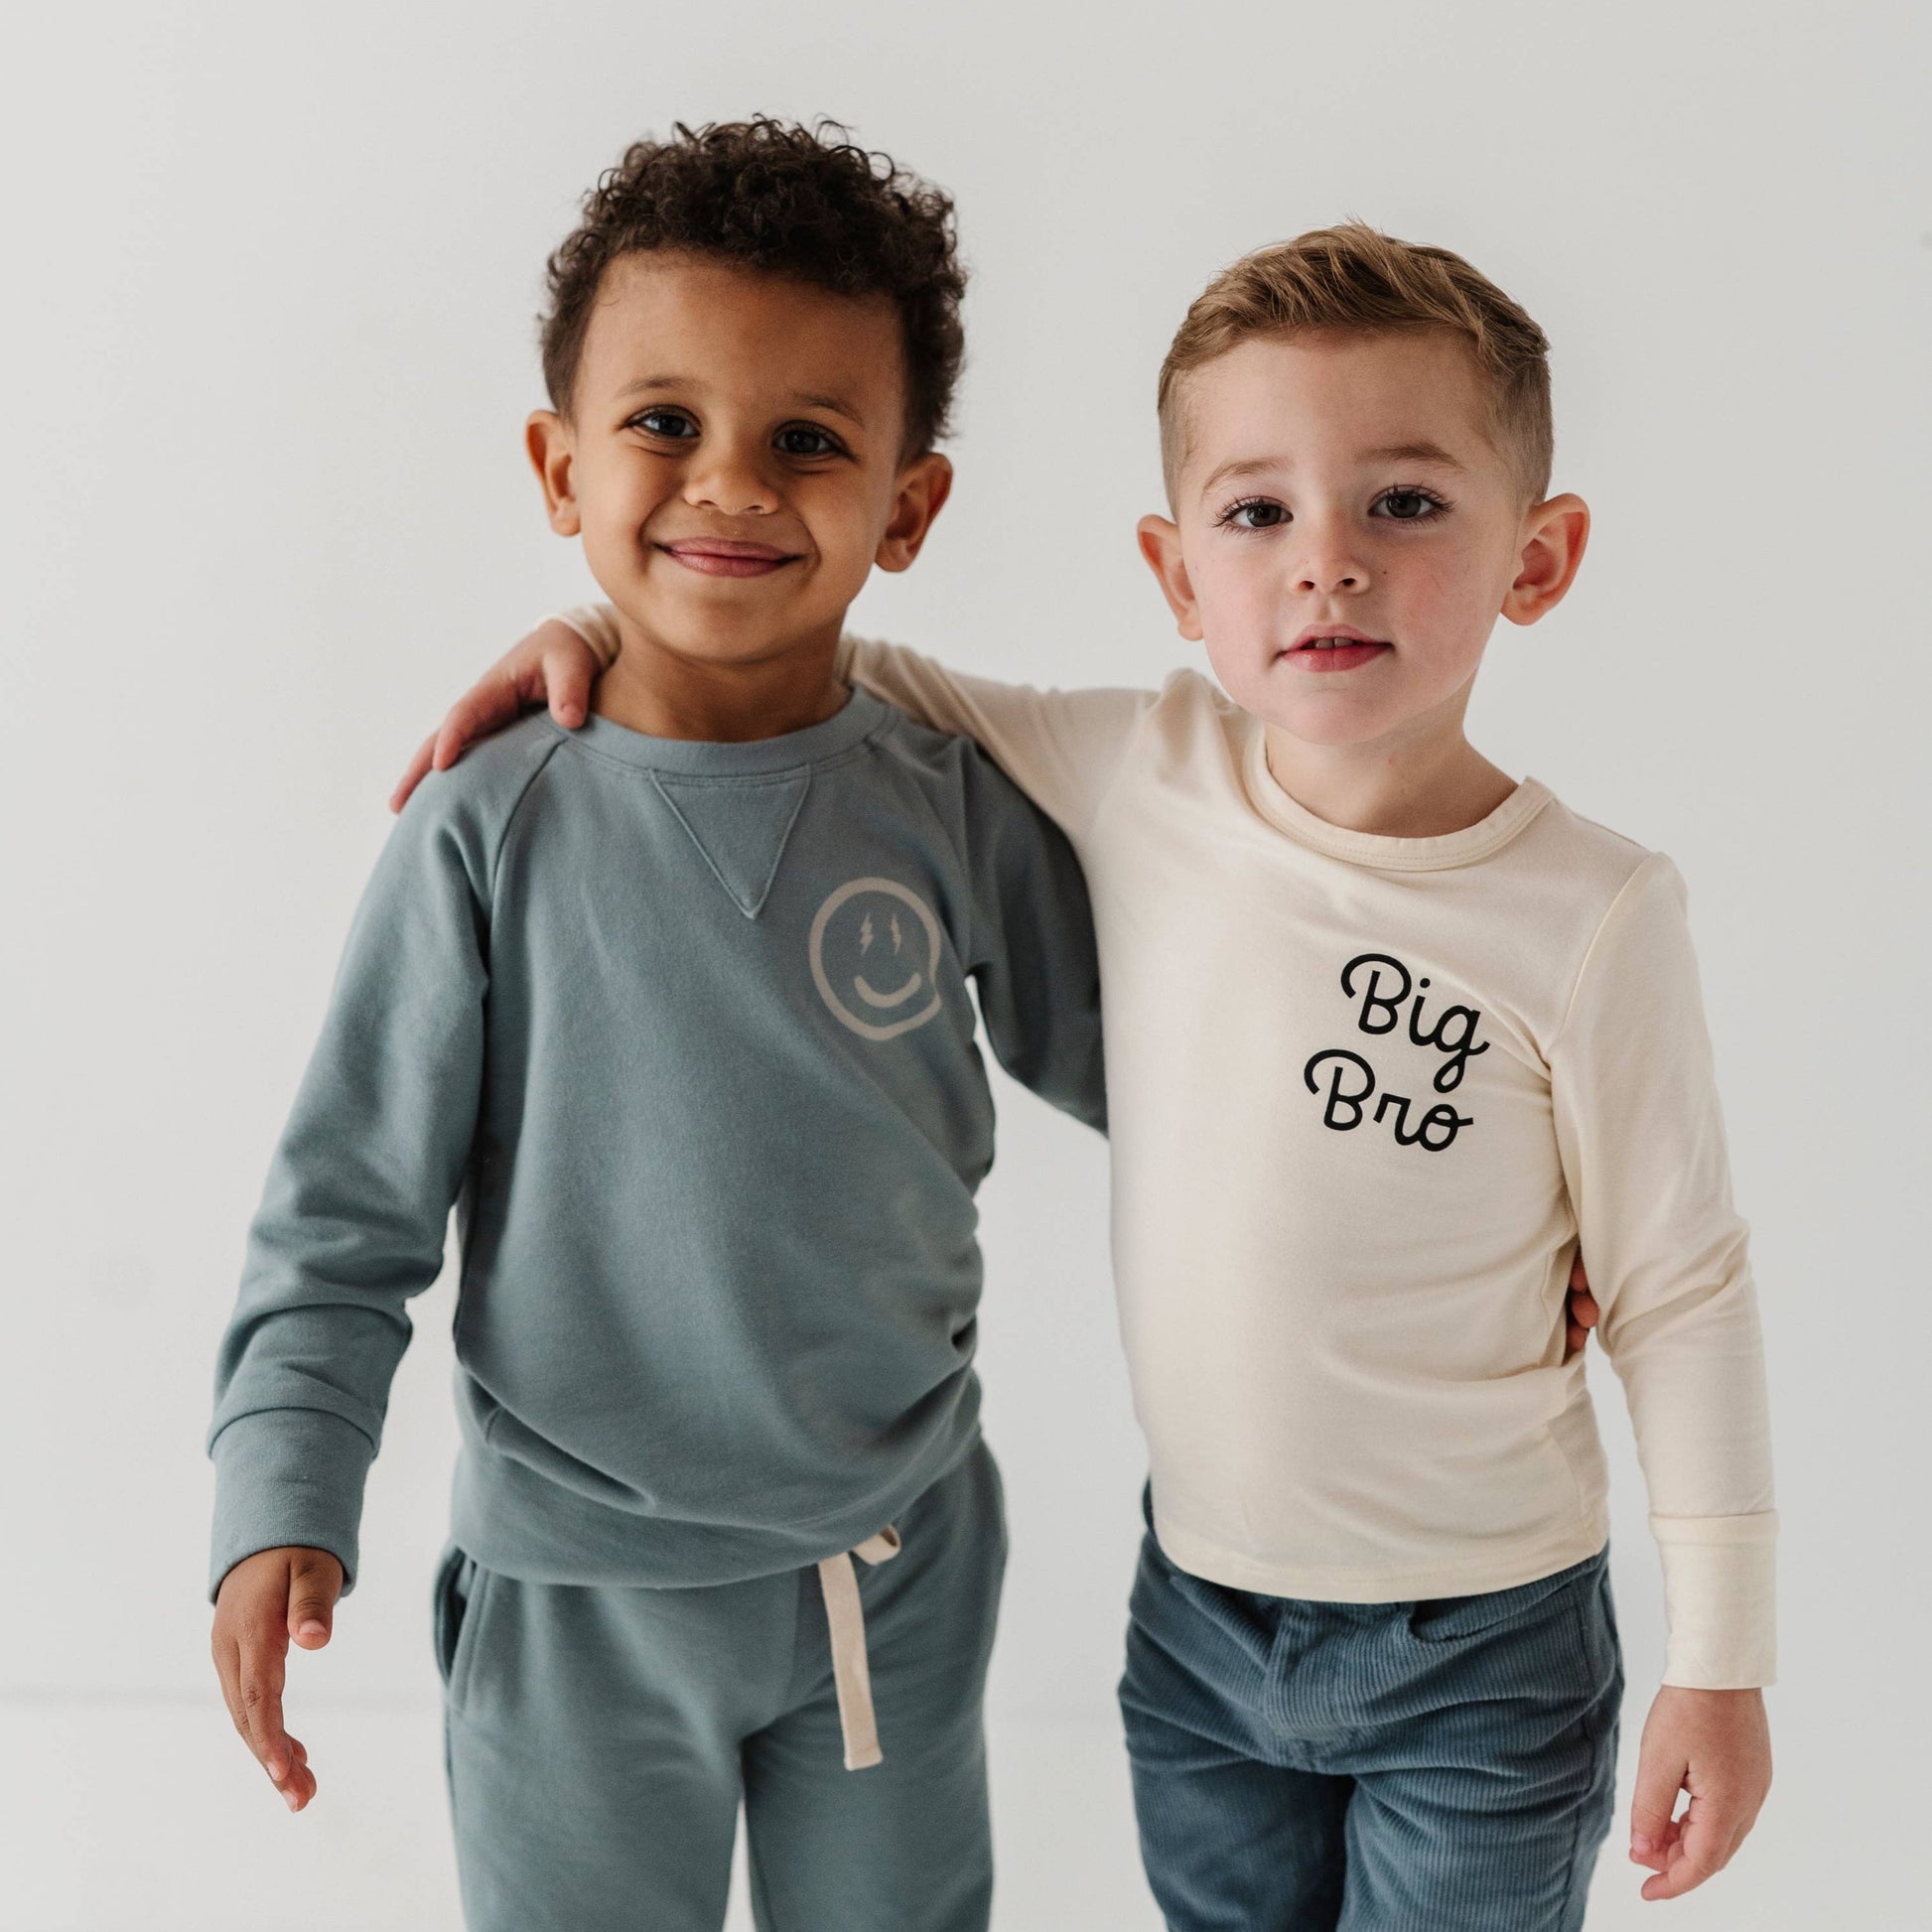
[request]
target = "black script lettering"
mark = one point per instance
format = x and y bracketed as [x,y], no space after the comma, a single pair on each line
[1378,1013]
[1344,1108]
[1455,1035]
[1445,1122]
[1433,1132]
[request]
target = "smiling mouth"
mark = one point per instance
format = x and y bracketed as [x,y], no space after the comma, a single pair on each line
[874,997]
[721,557]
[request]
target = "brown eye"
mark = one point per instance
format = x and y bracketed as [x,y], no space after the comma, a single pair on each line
[1259,514]
[1409,505]
[673,424]
[804,439]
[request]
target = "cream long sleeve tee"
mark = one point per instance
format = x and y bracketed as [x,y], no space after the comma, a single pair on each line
[1365,1096]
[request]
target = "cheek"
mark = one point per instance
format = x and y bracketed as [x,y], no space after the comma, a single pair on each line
[1445,602]
[617,499]
[845,518]
[1240,594]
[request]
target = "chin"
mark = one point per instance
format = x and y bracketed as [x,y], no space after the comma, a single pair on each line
[1338,717]
[1325,726]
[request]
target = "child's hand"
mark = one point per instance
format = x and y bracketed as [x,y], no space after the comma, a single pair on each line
[552,666]
[1715,1746]
[1584,1314]
[266,1601]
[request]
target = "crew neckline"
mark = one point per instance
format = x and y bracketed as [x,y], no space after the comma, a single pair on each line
[1378,848]
[847,726]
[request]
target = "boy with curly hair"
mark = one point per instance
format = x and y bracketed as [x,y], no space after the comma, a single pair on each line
[1389,1035]
[674,1009]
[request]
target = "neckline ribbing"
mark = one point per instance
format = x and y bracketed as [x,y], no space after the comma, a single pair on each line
[856,719]
[1375,848]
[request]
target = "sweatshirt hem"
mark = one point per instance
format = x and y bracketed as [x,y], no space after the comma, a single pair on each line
[1232,1569]
[578,1542]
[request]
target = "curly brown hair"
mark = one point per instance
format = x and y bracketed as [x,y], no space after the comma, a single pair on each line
[786,199]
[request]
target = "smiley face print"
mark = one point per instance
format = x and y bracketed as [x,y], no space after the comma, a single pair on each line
[875,950]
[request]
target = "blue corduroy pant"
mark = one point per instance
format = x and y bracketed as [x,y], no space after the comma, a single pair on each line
[1436,1766]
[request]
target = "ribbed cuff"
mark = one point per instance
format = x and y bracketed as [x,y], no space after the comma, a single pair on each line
[1720,1590]
[287,1477]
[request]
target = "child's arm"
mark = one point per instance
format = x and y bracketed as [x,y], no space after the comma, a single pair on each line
[1032,946]
[351,1224]
[556,664]
[1643,1151]
[1061,747]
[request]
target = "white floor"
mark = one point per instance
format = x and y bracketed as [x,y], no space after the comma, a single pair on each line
[147,1815]
[150,1816]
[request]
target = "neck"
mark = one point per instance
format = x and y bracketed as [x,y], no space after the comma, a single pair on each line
[663,692]
[1415,785]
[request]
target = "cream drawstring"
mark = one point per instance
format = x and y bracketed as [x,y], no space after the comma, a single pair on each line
[851,1675]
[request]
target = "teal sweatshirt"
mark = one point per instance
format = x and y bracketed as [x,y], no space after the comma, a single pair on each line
[683,1032]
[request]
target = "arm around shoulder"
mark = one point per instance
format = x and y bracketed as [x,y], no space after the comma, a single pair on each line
[1062,749]
[1032,945]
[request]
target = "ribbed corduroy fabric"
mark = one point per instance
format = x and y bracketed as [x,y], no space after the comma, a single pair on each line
[1436,1766]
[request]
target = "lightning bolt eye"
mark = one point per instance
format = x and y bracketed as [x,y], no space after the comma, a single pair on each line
[865,934]
[895,932]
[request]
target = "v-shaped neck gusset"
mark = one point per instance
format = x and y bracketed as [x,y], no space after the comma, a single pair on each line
[740,825]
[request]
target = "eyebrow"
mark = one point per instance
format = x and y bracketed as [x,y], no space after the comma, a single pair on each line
[1417,453]
[810,399]
[1430,453]
[834,405]
[1228,471]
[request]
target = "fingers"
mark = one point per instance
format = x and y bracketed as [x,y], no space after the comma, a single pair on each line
[553,665]
[1578,1279]
[255,1696]
[569,669]
[1708,1835]
[498,698]
[315,1583]
[1653,1831]
[264,1600]
[1581,1313]
[418,769]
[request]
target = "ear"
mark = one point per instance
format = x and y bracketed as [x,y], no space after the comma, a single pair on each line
[547,441]
[1160,541]
[1553,538]
[919,496]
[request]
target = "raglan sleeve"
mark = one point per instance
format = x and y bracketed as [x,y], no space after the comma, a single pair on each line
[1064,749]
[354,1212]
[1643,1150]
[1033,957]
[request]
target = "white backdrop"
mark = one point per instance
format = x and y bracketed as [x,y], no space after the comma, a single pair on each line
[268,344]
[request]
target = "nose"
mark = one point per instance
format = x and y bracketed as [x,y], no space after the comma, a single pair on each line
[1328,560]
[729,478]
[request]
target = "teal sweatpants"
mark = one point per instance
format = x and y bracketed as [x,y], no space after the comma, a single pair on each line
[602,1739]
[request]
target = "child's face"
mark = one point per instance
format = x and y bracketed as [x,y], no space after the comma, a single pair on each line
[733,457]
[1347,487]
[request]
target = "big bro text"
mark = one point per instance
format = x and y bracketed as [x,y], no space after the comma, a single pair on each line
[1349,1081]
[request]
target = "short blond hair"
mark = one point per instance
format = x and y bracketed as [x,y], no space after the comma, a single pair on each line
[1353,280]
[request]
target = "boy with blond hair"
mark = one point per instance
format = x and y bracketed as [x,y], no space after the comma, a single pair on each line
[1389,1035]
